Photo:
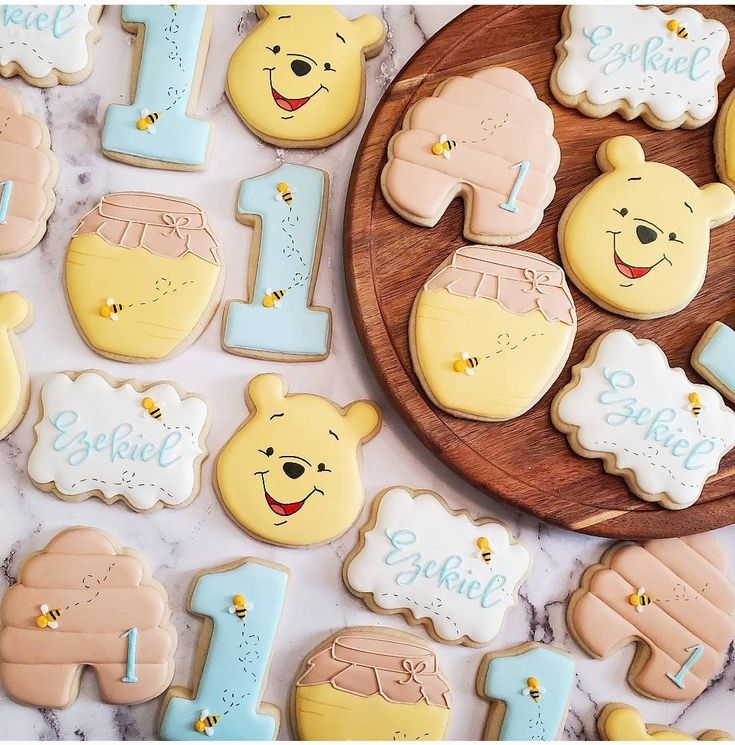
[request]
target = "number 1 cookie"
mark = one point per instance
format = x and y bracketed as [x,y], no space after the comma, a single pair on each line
[16,314]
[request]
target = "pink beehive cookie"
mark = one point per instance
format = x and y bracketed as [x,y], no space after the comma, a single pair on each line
[486,138]
[85,601]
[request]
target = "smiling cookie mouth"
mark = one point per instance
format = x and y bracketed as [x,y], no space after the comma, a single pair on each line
[629,271]
[288,104]
[284,510]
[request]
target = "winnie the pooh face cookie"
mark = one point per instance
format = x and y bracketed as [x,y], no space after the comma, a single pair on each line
[636,239]
[291,474]
[298,79]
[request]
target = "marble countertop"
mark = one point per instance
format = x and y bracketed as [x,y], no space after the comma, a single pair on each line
[179,542]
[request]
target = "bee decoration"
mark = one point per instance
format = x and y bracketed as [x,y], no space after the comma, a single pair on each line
[676,28]
[111,309]
[49,618]
[485,552]
[534,689]
[150,407]
[147,121]
[695,404]
[639,599]
[272,298]
[206,722]
[285,193]
[466,364]
[240,607]
[444,147]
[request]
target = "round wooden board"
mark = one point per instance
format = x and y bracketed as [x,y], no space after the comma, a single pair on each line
[526,462]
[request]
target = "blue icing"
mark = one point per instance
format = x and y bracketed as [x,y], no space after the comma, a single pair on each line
[6,189]
[506,679]
[718,356]
[171,46]
[237,659]
[289,241]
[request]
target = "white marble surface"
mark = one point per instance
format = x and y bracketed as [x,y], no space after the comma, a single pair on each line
[179,542]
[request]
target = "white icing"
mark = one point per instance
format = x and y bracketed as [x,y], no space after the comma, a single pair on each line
[629,65]
[629,428]
[439,535]
[41,38]
[102,408]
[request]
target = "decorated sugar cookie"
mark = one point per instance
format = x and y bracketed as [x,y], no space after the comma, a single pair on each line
[623,722]
[436,566]
[28,173]
[48,44]
[16,314]
[298,78]
[646,421]
[84,601]
[529,687]
[650,226]
[486,138]
[673,598]
[490,332]
[714,358]
[288,208]
[159,129]
[291,475]
[143,276]
[241,604]
[371,683]
[663,67]
[725,141]
[97,437]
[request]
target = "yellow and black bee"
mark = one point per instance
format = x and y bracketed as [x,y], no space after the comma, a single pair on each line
[240,607]
[534,690]
[466,364]
[285,193]
[151,408]
[486,553]
[111,309]
[147,121]
[49,618]
[272,298]
[695,404]
[444,147]
[206,722]
[639,600]
[675,27]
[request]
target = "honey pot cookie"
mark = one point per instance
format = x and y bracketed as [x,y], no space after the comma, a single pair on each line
[490,332]
[143,276]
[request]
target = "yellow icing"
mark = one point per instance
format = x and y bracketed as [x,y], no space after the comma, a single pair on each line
[625,723]
[13,311]
[324,713]
[97,270]
[308,35]
[728,135]
[510,380]
[655,201]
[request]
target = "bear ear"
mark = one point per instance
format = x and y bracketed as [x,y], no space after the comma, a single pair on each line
[266,391]
[719,201]
[625,720]
[369,29]
[623,152]
[364,417]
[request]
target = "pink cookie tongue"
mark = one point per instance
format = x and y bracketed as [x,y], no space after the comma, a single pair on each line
[288,104]
[283,509]
[631,272]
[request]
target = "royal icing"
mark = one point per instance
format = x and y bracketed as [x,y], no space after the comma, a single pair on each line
[530,687]
[714,358]
[486,137]
[673,597]
[143,276]
[371,683]
[76,604]
[243,603]
[157,128]
[98,437]
[725,142]
[647,421]
[28,172]
[289,208]
[37,41]
[491,330]
[663,66]
[418,556]
[651,226]
[291,475]
[623,722]
[298,78]
[15,315]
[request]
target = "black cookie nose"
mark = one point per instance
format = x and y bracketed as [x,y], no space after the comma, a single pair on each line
[293,470]
[300,67]
[646,234]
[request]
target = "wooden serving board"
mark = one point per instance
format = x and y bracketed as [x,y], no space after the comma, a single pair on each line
[526,462]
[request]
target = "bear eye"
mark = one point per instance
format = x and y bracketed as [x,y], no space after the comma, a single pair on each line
[328,67]
[322,467]
[275,49]
[622,212]
[267,452]
[672,237]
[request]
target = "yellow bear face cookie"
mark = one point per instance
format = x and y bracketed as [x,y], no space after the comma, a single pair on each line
[636,240]
[298,79]
[291,474]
